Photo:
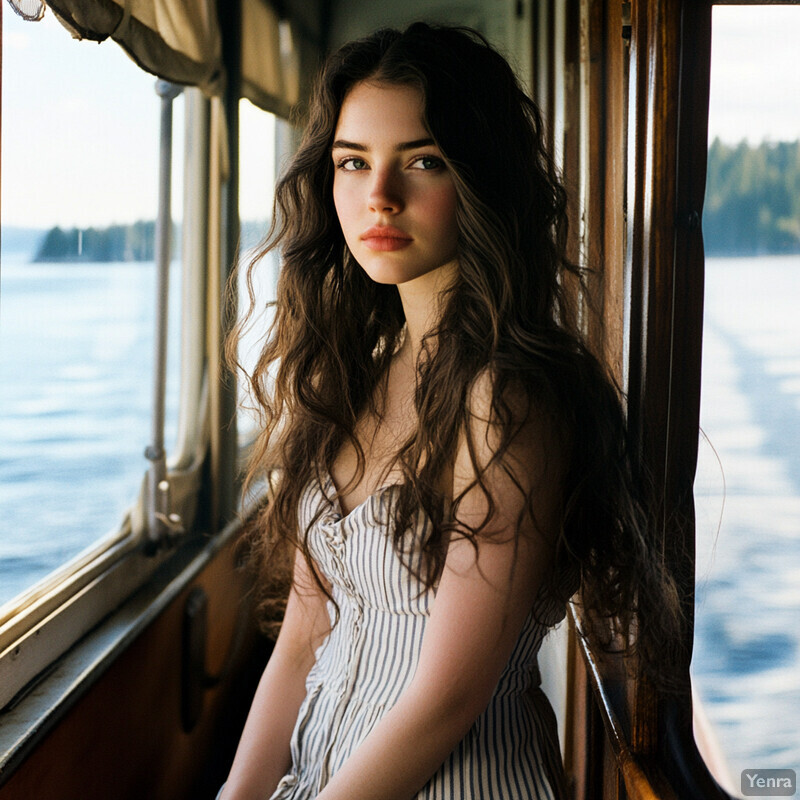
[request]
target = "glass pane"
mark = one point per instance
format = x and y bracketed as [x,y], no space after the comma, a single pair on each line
[258,159]
[747,651]
[79,198]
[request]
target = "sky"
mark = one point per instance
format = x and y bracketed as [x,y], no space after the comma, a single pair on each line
[755,73]
[67,161]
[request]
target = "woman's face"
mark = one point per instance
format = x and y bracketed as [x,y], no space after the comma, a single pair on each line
[393,194]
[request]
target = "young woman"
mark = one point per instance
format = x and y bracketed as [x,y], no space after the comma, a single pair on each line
[453,462]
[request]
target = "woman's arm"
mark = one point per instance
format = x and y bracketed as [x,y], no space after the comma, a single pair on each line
[263,757]
[481,605]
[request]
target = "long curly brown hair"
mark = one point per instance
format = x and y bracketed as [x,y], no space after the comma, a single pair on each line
[335,332]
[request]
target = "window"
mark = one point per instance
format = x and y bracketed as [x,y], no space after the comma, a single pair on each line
[80,171]
[746,662]
[263,143]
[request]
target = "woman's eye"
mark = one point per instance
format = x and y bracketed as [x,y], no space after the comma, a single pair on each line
[428,163]
[352,164]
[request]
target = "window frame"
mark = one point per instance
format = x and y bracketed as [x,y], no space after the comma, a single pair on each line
[39,625]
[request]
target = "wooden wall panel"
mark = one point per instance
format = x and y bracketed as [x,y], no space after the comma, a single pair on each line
[640,109]
[124,738]
[667,150]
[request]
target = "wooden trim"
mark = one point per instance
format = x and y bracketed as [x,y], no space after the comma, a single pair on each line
[670,54]
[550,100]
[570,145]
[656,346]
[632,769]
[608,51]
[111,721]
[226,478]
[644,131]
[581,765]
[668,124]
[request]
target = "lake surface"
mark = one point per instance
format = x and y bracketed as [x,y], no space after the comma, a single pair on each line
[747,641]
[75,382]
[76,378]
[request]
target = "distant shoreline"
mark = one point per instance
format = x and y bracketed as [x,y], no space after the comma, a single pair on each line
[130,243]
[135,242]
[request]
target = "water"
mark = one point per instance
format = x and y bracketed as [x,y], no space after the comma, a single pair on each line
[75,382]
[76,355]
[747,651]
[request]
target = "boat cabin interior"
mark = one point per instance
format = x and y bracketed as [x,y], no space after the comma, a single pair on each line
[128,672]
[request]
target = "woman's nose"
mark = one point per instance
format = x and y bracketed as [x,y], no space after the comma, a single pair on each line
[385,195]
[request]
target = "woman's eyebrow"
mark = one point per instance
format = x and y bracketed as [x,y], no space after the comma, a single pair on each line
[341,144]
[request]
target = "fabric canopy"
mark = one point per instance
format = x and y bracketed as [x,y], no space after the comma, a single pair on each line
[270,67]
[180,41]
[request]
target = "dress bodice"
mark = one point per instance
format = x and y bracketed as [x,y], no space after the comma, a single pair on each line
[379,616]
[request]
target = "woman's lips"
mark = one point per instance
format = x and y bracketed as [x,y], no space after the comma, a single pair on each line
[385,237]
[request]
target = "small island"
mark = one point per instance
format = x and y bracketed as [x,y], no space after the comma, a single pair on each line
[135,242]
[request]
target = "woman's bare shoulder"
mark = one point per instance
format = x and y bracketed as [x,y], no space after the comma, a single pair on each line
[507,415]
[511,451]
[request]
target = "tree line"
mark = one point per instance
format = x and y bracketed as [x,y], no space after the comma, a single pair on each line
[135,242]
[752,204]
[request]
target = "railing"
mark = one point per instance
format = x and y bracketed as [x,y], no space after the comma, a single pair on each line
[612,766]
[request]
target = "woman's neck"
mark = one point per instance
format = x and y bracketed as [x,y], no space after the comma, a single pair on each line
[422,304]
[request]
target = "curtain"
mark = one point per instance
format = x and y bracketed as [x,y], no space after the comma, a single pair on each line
[270,63]
[180,41]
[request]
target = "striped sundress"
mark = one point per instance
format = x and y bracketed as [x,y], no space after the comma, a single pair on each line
[510,753]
